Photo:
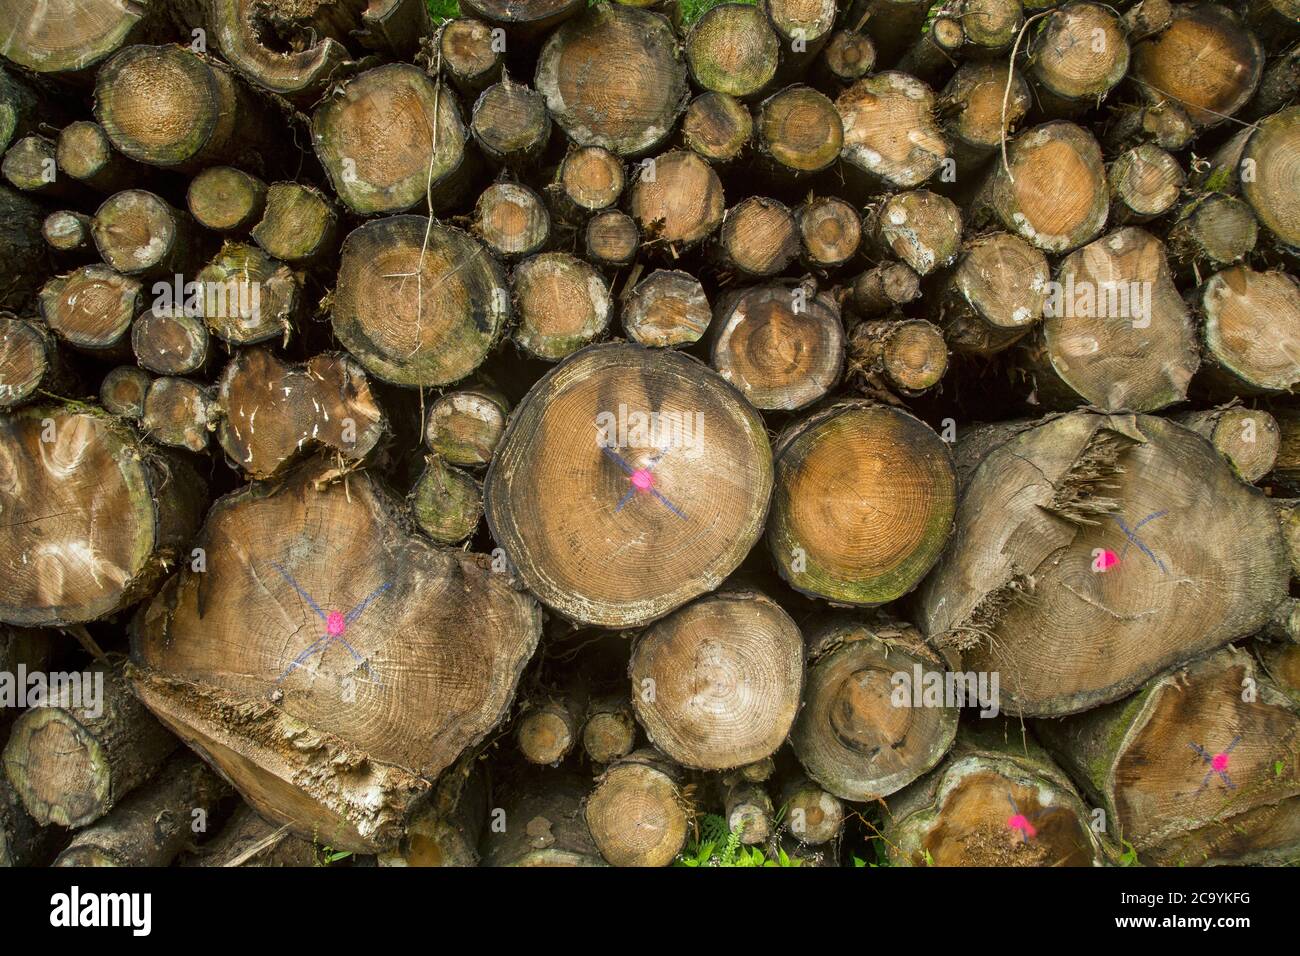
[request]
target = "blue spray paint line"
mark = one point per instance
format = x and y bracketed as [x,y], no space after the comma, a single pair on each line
[640,480]
[335,625]
[1218,764]
[1131,534]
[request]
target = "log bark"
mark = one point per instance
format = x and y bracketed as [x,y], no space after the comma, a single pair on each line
[24,258]
[89,744]
[889,523]
[717,684]
[1186,769]
[153,825]
[883,288]
[865,731]
[525,20]
[995,295]
[272,413]
[77,557]
[638,814]
[583,433]
[1070,492]
[666,309]
[464,427]
[225,199]
[23,842]
[248,840]
[268,714]
[781,345]
[562,304]
[418,303]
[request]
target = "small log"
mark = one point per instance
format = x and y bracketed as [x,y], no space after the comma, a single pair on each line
[418,303]
[830,232]
[666,309]
[716,684]
[471,55]
[447,502]
[30,165]
[972,106]
[153,825]
[225,199]
[847,57]
[758,238]
[798,132]
[890,131]
[91,308]
[638,815]
[718,127]
[591,178]
[89,744]
[748,809]
[465,426]
[677,200]
[995,295]
[1213,231]
[803,30]
[780,345]
[609,730]
[169,341]
[1078,54]
[899,357]
[123,390]
[1250,330]
[68,233]
[733,49]
[883,288]
[510,123]
[815,816]
[246,297]
[890,523]
[611,238]
[1246,438]
[29,361]
[562,304]
[511,220]
[180,413]
[918,227]
[272,413]
[139,233]
[1145,182]
[549,727]
[299,225]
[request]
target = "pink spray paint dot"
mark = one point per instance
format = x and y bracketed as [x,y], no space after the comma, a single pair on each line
[1109,559]
[1220,762]
[1020,822]
[335,624]
[642,479]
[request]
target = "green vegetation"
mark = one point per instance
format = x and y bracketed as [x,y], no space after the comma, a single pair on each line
[441,10]
[691,10]
[715,845]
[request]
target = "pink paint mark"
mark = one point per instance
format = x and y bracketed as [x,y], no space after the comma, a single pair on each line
[1220,762]
[1108,559]
[1020,822]
[642,480]
[335,624]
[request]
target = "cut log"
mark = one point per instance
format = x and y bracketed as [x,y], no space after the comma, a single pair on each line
[609,731]
[666,309]
[123,390]
[1145,182]
[1205,61]
[900,357]
[717,126]
[864,503]
[510,123]
[586,433]
[153,825]
[868,728]
[392,138]
[525,19]
[1051,190]
[677,200]
[1077,55]
[225,199]
[448,829]
[798,132]
[1117,334]
[1098,506]
[471,55]
[23,842]
[717,684]
[918,227]
[612,238]
[562,304]
[748,810]
[248,840]
[169,341]
[464,427]
[998,800]
[543,823]
[75,558]
[166,106]
[447,502]
[323,403]
[1251,330]
[830,231]
[732,49]
[1161,122]
[847,57]
[68,37]
[24,258]
[139,233]
[85,154]
[68,233]
[781,345]
[1213,231]
[883,288]
[591,178]
[638,815]
[92,308]
[30,165]
[890,132]
[549,728]
[418,303]
[246,297]
[1270,155]
[995,295]
[299,225]
[608,47]
[179,413]
[803,28]
[1198,767]
[29,361]
[816,817]
[758,238]
[89,743]
[265,708]
[511,220]
[973,105]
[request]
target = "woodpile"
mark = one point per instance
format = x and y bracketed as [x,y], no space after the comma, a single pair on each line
[627,433]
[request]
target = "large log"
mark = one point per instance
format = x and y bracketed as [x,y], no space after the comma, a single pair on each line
[336,736]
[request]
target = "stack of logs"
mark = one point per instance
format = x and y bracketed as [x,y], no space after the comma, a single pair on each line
[517,438]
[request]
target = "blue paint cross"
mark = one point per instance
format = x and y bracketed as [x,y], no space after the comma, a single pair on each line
[640,479]
[1131,534]
[335,624]
[1218,764]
